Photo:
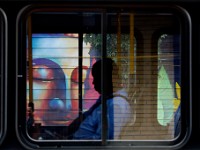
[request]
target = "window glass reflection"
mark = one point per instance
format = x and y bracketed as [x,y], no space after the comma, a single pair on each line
[169,81]
[141,82]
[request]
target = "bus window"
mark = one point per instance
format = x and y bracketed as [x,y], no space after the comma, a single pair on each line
[59,80]
[94,77]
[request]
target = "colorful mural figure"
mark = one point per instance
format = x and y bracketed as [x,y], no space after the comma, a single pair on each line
[50,99]
[75,89]
[165,98]
[177,111]
[169,89]
[91,95]
[56,78]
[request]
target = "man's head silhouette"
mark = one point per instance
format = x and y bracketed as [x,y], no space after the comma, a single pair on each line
[107,78]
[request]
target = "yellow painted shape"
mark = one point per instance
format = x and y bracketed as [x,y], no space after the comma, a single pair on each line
[177,100]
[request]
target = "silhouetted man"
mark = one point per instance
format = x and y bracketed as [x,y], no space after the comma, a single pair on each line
[118,109]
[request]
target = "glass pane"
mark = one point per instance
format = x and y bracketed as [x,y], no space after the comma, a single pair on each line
[121,47]
[70,76]
[59,79]
[149,110]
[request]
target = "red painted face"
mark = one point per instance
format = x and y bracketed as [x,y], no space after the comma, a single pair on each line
[74,89]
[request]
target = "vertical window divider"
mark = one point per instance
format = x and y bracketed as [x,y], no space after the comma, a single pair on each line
[103,73]
[80,62]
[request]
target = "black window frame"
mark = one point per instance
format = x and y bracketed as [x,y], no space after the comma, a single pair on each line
[186,73]
[3,69]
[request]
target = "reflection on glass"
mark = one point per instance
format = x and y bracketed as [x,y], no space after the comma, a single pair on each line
[169,82]
[141,85]
[55,83]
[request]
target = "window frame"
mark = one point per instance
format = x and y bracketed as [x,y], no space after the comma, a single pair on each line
[103,9]
[3,55]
